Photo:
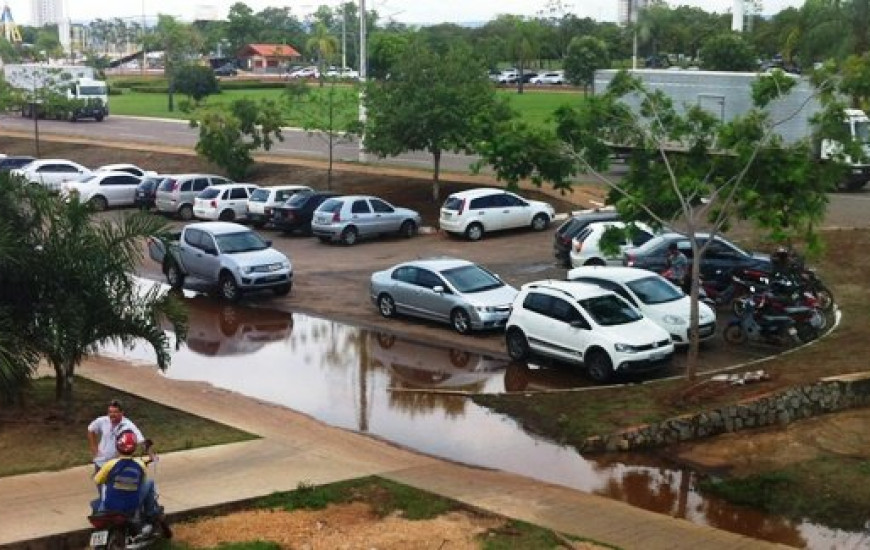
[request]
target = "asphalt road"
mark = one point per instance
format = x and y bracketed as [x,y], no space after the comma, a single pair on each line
[178,133]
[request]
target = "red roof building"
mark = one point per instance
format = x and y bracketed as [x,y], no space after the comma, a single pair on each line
[267,58]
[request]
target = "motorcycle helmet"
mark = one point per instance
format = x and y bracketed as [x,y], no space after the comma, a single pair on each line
[126,442]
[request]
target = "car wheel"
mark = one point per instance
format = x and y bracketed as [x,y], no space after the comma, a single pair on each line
[540,222]
[227,216]
[408,229]
[174,276]
[185,212]
[349,236]
[229,288]
[282,290]
[386,305]
[517,345]
[474,232]
[599,366]
[99,203]
[461,321]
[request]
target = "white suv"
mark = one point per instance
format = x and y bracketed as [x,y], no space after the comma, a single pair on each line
[227,202]
[476,211]
[586,324]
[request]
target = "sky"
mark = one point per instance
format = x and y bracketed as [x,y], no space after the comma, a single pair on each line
[404,11]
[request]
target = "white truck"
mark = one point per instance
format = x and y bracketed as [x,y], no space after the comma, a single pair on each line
[69,92]
[729,94]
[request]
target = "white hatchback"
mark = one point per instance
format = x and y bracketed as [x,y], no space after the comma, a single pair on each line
[655,297]
[586,245]
[104,189]
[227,202]
[477,211]
[585,324]
[265,199]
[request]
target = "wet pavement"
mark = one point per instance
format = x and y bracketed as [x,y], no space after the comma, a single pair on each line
[405,392]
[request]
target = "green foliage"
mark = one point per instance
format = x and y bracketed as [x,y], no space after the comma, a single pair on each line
[385,50]
[517,151]
[228,134]
[196,81]
[8,52]
[728,52]
[856,78]
[585,55]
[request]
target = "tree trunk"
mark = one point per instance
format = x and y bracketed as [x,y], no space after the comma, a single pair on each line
[694,342]
[171,91]
[436,160]
[329,168]
[520,79]
[63,381]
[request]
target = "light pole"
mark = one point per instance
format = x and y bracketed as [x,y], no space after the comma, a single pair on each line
[362,78]
[343,37]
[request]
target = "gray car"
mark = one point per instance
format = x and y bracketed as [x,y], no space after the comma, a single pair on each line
[353,217]
[176,194]
[449,290]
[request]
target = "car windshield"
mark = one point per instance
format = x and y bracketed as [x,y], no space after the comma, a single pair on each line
[471,278]
[298,199]
[92,90]
[655,290]
[610,310]
[259,195]
[244,241]
[453,203]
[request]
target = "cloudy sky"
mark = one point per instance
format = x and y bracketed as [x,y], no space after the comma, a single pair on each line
[406,11]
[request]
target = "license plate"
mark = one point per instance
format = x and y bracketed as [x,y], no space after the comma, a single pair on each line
[99,538]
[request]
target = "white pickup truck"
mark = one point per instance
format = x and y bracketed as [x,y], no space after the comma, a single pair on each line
[228,255]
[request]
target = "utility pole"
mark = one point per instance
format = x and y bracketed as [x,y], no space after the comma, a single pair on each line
[362,78]
[343,37]
[142,67]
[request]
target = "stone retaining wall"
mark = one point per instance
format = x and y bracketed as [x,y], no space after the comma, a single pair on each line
[828,395]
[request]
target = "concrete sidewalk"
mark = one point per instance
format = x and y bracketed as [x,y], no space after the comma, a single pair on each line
[295,448]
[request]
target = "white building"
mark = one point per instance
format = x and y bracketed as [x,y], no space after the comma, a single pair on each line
[46,12]
[628,10]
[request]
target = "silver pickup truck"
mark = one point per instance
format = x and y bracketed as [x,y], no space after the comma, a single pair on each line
[228,255]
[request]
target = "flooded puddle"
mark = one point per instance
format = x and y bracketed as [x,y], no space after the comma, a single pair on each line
[406,392]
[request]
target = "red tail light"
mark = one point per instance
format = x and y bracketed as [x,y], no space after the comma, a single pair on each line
[336,216]
[629,260]
[566,240]
[107,519]
[213,204]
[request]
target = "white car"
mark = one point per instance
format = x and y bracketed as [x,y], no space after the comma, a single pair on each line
[265,199]
[305,72]
[51,172]
[129,168]
[347,72]
[585,324]
[654,296]
[586,246]
[477,211]
[227,202]
[552,78]
[104,189]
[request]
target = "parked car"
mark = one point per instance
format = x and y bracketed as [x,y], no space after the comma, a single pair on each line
[227,69]
[551,78]
[508,77]
[347,72]
[11,162]
[103,189]
[586,246]
[263,201]
[528,76]
[585,324]
[720,261]
[477,211]
[231,256]
[565,233]
[657,298]
[51,172]
[176,193]
[296,213]
[304,72]
[129,168]
[226,202]
[350,218]
[146,192]
[448,290]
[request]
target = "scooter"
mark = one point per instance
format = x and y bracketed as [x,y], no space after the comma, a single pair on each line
[752,325]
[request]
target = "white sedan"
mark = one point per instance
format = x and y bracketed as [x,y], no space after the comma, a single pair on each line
[129,168]
[103,189]
[51,172]
[653,295]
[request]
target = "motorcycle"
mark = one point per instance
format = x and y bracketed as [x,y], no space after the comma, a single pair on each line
[782,299]
[752,325]
[115,530]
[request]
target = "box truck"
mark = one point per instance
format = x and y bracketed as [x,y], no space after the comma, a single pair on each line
[70,92]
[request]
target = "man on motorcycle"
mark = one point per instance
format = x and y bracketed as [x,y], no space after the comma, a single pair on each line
[124,484]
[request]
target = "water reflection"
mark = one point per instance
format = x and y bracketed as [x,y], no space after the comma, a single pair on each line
[355,379]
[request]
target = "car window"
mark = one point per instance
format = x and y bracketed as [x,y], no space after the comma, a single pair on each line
[512,200]
[260,195]
[331,205]
[381,207]
[209,193]
[499,201]
[611,286]
[610,310]
[167,185]
[200,183]
[360,207]
[111,181]
[537,302]
[453,203]
[300,198]
[406,274]
[129,180]
[482,202]
[206,242]
[193,237]
[238,193]
[428,279]
[217,180]
[281,195]
[655,290]
[563,310]
[471,278]
[640,236]
[720,251]
[187,186]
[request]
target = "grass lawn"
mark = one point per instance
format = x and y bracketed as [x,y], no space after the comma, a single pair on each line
[534,106]
[40,434]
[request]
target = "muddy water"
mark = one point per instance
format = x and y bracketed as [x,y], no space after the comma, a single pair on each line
[406,392]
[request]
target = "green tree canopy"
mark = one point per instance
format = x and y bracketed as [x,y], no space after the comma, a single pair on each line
[585,56]
[196,81]
[728,52]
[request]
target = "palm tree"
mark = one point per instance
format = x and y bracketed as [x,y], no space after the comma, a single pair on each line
[323,44]
[73,288]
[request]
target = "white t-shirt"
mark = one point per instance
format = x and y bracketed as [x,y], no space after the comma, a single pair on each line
[102,426]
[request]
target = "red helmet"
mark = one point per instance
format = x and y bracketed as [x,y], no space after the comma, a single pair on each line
[126,442]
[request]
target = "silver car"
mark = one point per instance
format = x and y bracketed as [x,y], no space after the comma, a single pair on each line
[352,217]
[448,290]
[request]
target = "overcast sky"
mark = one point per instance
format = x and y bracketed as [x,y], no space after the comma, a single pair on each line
[406,11]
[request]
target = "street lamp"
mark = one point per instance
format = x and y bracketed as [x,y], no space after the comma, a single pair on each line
[362,78]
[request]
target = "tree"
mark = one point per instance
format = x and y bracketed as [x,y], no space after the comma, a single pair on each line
[8,52]
[385,49]
[71,290]
[229,133]
[585,55]
[323,45]
[523,44]
[242,27]
[47,45]
[431,103]
[196,81]
[728,52]
[179,42]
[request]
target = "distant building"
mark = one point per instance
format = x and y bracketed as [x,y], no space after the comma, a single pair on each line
[267,58]
[628,10]
[46,12]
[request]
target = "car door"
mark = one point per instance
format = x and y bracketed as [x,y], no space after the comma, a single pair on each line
[433,304]
[570,332]
[51,175]
[120,190]
[403,289]
[483,209]
[193,257]
[516,211]
[237,200]
[386,220]
[719,260]
[197,186]
[362,218]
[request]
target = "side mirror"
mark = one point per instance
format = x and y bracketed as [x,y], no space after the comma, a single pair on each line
[438,289]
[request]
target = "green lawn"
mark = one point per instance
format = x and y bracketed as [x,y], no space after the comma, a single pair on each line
[534,106]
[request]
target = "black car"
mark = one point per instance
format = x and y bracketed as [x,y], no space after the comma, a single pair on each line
[227,69]
[721,259]
[146,192]
[527,77]
[13,162]
[571,227]
[295,214]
